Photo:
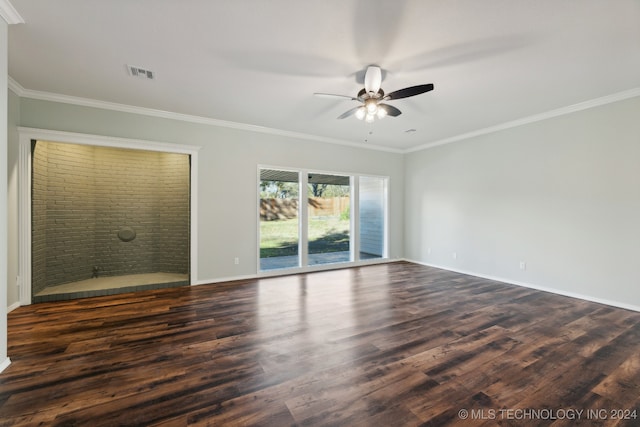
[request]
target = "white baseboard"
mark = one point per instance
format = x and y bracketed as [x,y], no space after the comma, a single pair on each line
[13,306]
[5,363]
[590,298]
[300,270]
[224,279]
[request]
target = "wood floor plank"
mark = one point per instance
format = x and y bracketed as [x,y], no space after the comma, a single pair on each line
[389,344]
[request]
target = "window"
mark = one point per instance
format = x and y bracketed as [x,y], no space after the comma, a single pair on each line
[308,218]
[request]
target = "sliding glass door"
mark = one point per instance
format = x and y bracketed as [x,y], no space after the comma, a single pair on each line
[308,218]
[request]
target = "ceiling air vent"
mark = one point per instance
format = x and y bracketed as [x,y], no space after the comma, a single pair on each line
[140,72]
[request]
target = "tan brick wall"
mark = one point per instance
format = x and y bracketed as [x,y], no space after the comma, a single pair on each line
[90,193]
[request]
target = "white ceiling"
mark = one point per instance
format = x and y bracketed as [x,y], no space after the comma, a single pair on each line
[258,62]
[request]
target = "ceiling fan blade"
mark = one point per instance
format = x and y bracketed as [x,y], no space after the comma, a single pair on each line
[409,91]
[332,95]
[373,79]
[390,109]
[349,113]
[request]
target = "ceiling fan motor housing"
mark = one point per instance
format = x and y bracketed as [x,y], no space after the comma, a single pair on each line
[363,95]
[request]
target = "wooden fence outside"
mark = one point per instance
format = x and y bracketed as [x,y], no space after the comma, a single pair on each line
[328,206]
[278,209]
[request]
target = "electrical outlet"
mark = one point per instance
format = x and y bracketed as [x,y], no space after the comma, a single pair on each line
[523,265]
[236,260]
[454,255]
[428,251]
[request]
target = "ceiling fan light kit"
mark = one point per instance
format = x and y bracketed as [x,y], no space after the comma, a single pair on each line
[372,96]
[370,111]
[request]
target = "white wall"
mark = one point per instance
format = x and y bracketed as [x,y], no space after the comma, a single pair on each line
[4,50]
[562,195]
[228,159]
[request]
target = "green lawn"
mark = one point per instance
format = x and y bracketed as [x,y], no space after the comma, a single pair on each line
[326,234]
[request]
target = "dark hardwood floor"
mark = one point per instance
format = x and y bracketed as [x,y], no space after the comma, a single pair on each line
[386,345]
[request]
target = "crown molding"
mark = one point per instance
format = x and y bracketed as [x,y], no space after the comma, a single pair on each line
[15,87]
[620,96]
[9,13]
[86,102]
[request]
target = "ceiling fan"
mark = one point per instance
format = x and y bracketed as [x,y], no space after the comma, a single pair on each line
[372,97]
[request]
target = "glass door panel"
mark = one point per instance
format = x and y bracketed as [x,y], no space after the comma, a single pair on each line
[329,212]
[372,216]
[279,219]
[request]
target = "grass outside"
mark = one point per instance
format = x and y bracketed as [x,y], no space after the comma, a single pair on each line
[326,234]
